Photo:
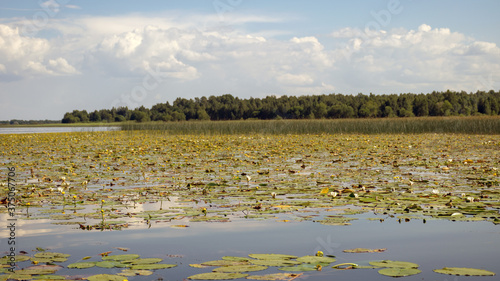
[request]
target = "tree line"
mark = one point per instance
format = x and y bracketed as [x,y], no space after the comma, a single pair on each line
[227,107]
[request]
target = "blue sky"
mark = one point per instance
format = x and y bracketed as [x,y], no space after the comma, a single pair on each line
[60,55]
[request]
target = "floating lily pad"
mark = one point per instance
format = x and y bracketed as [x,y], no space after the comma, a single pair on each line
[399,272]
[217,276]
[275,276]
[303,267]
[230,258]
[464,271]
[110,264]
[271,256]
[152,266]
[51,257]
[275,262]
[132,272]
[389,263]
[121,257]
[81,265]
[105,277]
[224,263]
[19,258]
[143,261]
[316,259]
[49,277]
[240,268]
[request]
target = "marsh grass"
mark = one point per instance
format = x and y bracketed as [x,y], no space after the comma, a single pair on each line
[458,125]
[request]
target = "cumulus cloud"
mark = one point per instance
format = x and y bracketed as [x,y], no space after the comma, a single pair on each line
[26,56]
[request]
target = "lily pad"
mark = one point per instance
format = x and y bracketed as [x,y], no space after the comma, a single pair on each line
[316,259]
[303,267]
[143,261]
[131,272]
[152,266]
[272,256]
[231,258]
[224,263]
[399,272]
[464,271]
[105,277]
[81,265]
[240,268]
[217,276]
[389,263]
[275,262]
[275,276]
[121,257]
[110,264]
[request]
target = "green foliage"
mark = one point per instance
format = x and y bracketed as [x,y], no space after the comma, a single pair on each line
[333,106]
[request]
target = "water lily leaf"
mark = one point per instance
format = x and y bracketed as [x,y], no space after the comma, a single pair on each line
[316,259]
[230,258]
[20,258]
[364,250]
[464,271]
[399,272]
[81,265]
[224,263]
[275,276]
[51,257]
[303,267]
[275,262]
[389,263]
[143,261]
[105,277]
[153,266]
[110,264]
[217,276]
[131,272]
[121,257]
[49,277]
[15,276]
[240,268]
[271,256]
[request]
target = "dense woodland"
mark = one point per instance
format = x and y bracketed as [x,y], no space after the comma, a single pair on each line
[227,107]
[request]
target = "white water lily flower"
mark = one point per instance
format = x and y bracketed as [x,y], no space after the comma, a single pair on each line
[469,199]
[333,194]
[435,191]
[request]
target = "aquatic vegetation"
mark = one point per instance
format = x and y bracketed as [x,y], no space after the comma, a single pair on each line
[107,181]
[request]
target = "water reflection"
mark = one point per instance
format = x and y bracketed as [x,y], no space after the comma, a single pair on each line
[435,244]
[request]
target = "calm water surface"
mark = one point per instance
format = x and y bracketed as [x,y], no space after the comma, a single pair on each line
[433,245]
[32,130]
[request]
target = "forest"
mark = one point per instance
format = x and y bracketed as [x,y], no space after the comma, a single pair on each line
[332,106]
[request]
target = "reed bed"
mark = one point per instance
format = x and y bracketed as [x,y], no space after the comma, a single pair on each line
[420,125]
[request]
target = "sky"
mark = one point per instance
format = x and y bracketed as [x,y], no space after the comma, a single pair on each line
[60,55]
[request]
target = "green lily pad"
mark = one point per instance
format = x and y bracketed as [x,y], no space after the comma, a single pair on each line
[81,265]
[15,276]
[399,272]
[275,276]
[217,276]
[50,257]
[152,266]
[316,259]
[121,257]
[364,250]
[464,271]
[272,256]
[240,268]
[224,263]
[389,263]
[110,264]
[132,272]
[303,267]
[143,261]
[275,262]
[49,277]
[230,258]
[105,277]
[20,258]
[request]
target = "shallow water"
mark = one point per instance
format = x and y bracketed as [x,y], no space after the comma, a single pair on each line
[33,130]
[432,245]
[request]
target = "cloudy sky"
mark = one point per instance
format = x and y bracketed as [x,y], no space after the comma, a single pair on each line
[60,55]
